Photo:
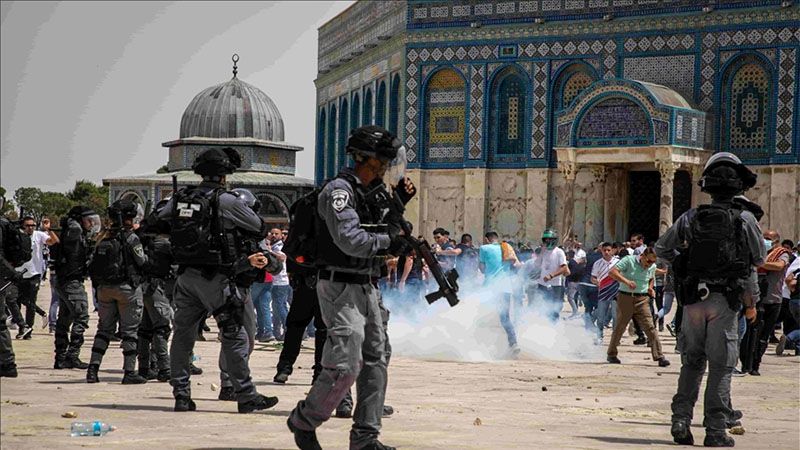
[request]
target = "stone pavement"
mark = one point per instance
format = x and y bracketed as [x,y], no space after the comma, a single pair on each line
[439,404]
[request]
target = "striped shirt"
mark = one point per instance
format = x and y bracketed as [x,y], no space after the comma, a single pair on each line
[607,287]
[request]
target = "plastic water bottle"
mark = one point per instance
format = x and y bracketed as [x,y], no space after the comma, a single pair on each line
[95,428]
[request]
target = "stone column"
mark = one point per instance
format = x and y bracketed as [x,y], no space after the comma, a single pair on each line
[595,206]
[475,213]
[570,170]
[667,169]
[536,187]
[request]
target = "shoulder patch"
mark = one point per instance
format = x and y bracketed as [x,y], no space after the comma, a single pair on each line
[339,199]
[139,251]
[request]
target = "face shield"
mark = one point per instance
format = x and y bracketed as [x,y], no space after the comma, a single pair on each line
[396,170]
[91,224]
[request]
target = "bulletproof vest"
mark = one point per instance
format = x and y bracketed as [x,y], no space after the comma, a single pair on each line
[718,248]
[109,263]
[70,263]
[198,235]
[159,257]
[16,244]
[369,216]
[301,246]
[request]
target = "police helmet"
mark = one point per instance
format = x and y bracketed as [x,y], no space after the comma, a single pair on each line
[122,209]
[248,198]
[714,182]
[76,212]
[374,142]
[550,238]
[217,162]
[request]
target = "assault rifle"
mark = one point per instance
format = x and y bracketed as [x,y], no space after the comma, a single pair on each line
[447,281]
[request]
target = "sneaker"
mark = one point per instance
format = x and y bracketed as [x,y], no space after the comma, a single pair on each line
[304,440]
[781,346]
[773,339]
[281,377]
[132,377]
[755,373]
[514,351]
[613,360]
[377,445]
[27,337]
[9,371]
[194,370]
[682,433]
[91,373]
[265,339]
[738,373]
[663,362]
[163,375]
[24,331]
[660,327]
[718,440]
[387,410]
[226,394]
[183,404]
[73,362]
[257,404]
[640,341]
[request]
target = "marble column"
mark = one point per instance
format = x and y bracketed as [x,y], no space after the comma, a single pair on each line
[667,170]
[595,206]
[570,170]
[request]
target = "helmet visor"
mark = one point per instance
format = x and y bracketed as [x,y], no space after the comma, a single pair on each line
[91,223]
[397,168]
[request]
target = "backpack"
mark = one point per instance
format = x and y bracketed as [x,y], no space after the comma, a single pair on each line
[717,248]
[300,245]
[196,227]
[16,244]
[108,262]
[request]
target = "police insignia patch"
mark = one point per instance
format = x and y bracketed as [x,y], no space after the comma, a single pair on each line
[339,198]
[139,251]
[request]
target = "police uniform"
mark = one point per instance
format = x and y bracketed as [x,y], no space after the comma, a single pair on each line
[73,308]
[709,331]
[121,302]
[157,315]
[8,366]
[200,290]
[351,306]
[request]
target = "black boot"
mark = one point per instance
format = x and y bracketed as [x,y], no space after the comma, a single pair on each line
[147,374]
[387,410]
[91,373]
[194,370]
[344,411]
[183,404]
[73,362]
[8,370]
[718,440]
[304,440]
[281,377]
[377,445]
[59,362]
[163,375]
[257,404]
[226,394]
[132,377]
[682,433]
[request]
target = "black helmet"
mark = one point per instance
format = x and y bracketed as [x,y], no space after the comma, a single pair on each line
[374,142]
[714,181]
[76,212]
[217,162]
[122,209]
[248,198]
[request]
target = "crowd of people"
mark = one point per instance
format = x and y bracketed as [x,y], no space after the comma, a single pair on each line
[205,252]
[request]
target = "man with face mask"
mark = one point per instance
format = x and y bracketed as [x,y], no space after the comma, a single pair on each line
[353,234]
[714,250]
[71,257]
[554,269]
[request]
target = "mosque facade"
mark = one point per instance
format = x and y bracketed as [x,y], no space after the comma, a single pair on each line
[593,117]
[231,114]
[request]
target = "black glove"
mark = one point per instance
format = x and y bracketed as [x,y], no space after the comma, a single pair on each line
[401,193]
[397,246]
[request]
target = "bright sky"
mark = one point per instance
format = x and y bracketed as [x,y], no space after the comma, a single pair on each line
[91,90]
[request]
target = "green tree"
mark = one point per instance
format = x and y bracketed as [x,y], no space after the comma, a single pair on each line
[163,169]
[29,201]
[8,205]
[89,194]
[55,205]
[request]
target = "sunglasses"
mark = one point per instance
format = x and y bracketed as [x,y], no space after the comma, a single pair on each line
[29,225]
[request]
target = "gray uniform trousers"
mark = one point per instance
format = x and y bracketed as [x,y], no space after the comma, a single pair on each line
[709,332]
[355,351]
[6,350]
[155,325]
[194,297]
[73,312]
[118,303]
[250,328]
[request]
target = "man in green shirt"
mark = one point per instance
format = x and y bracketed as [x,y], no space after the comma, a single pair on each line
[636,275]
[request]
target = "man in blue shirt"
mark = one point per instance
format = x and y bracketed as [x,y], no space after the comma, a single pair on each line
[491,264]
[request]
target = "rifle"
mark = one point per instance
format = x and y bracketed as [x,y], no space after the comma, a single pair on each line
[447,281]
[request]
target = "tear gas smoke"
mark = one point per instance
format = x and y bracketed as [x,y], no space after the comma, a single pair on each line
[471,331]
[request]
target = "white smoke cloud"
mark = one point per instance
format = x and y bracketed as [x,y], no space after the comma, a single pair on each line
[471,331]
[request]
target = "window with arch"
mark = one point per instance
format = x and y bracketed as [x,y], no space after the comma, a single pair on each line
[380,104]
[507,113]
[133,197]
[343,133]
[331,147]
[367,118]
[273,209]
[747,91]
[321,145]
[394,104]
[355,112]
[445,111]
[570,83]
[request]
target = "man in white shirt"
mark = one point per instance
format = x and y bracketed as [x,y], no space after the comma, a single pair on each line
[637,243]
[607,287]
[580,253]
[281,291]
[550,285]
[28,287]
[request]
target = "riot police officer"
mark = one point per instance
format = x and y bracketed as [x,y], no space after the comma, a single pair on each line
[115,271]
[351,238]
[71,257]
[206,221]
[154,329]
[8,366]
[714,249]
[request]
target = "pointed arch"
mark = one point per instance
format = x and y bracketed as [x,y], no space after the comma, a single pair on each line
[331,147]
[571,80]
[367,116]
[444,130]
[394,104]
[344,129]
[320,160]
[747,93]
[355,111]
[508,110]
[380,104]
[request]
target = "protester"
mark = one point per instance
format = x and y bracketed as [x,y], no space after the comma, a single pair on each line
[496,278]
[607,288]
[32,271]
[553,264]
[281,290]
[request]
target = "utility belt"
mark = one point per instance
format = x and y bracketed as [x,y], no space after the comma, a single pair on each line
[691,291]
[346,277]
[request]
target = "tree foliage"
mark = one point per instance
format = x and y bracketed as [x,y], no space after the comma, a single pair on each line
[37,203]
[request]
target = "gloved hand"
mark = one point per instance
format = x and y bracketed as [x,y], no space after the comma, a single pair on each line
[405,190]
[397,246]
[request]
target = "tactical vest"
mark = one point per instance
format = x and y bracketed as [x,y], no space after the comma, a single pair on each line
[369,216]
[16,244]
[718,249]
[198,235]
[109,262]
[70,264]
[159,257]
